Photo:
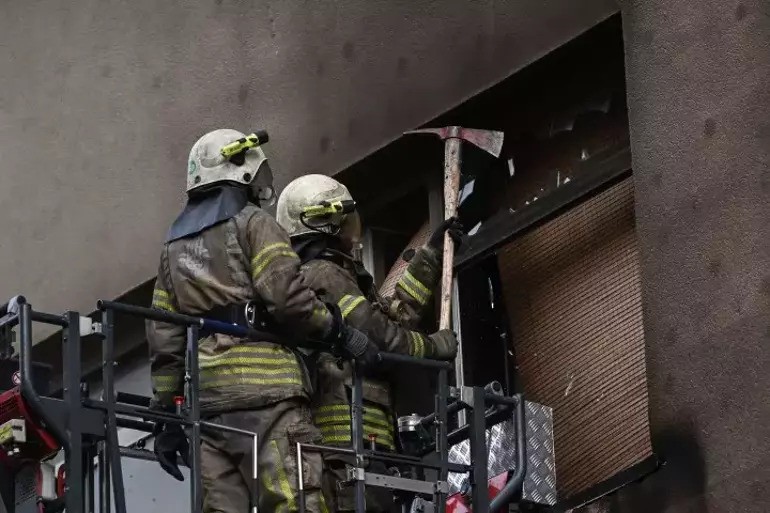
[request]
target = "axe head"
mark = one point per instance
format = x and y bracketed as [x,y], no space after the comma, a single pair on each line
[490,141]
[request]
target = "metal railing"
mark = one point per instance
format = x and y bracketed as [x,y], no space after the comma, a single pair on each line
[87,428]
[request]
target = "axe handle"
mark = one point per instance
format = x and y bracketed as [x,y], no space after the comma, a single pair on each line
[451,192]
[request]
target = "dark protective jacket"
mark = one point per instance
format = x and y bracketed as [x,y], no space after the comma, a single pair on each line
[245,257]
[386,322]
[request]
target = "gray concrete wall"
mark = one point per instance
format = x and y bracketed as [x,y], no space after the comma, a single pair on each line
[698,75]
[101,101]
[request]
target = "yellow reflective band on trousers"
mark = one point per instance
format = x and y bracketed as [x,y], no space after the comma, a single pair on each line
[167,383]
[267,255]
[334,421]
[415,288]
[349,303]
[416,345]
[162,300]
[250,365]
[283,479]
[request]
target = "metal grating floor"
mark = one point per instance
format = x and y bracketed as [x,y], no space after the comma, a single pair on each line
[573,296]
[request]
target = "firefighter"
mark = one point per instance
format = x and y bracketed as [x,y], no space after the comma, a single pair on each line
[319,214]
[222,254]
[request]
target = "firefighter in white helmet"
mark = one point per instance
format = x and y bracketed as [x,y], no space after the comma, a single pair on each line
[224,254]
[319,214]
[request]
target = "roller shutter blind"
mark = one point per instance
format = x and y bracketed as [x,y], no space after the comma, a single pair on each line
[573,298]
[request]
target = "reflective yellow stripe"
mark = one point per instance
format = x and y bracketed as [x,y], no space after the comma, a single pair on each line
[417,348]
[344,438]
[368,429]
[334,422]
[248,354]
[267,255]
[320,313]
[283,480]
[414,288]
[250,349]
[345,409]
[219,383]
[163,305]
[345,301]
[250,365]
[322,502]
[344,420]
[166,382]
[348,303]
[235,370]
[162,300]
[268,481]
[416,283]
[249,360]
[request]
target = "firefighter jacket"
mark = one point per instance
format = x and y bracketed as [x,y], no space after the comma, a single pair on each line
[246,257]
[386,322]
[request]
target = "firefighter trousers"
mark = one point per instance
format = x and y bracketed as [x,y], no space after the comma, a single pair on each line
[226,461]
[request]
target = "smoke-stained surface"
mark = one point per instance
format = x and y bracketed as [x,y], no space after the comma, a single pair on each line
[101,101]
[698,97]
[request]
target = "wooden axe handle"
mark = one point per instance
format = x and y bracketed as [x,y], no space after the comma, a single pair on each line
[451,193]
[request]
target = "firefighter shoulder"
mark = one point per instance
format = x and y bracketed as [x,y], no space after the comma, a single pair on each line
[222,254]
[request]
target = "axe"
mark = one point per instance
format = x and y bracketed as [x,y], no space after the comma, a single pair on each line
[489,141]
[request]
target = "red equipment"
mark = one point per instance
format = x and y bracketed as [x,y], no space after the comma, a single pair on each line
[38,443]
[461,503]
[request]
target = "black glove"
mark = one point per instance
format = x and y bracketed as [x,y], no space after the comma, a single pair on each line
[347,342]
[360,348]
[170,440]
[453,227]
[442,345]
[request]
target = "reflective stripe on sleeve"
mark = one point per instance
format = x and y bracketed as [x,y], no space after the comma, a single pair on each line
[349,303]
[267,255]
[417,345]
[415,288]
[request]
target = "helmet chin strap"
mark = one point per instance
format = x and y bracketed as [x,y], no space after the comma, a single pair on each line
[335,229]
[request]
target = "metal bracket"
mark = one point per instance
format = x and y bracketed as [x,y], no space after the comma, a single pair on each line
[466,395]
[355,474]
[87,326]
[406,485]
[420,505]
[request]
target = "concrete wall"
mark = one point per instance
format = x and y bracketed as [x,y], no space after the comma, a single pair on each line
[698,75]
[101,101]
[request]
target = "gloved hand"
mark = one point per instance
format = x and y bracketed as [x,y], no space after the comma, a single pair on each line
[360,348]
[171,440]
[453,227]
[442,345]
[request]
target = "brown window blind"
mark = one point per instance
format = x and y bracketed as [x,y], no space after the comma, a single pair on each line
[572,293]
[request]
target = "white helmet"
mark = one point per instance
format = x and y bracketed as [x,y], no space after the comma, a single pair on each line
[314,203]
[227,155]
